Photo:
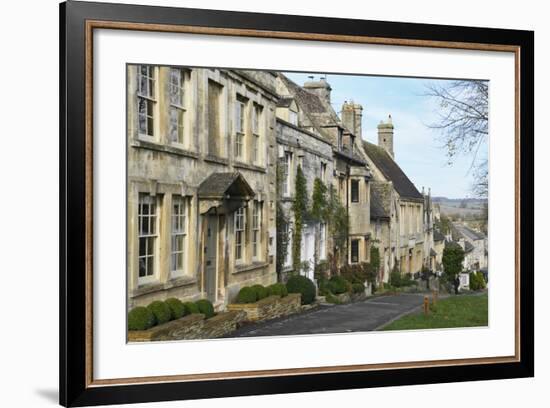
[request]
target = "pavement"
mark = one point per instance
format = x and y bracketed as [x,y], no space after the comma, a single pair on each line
[365,315]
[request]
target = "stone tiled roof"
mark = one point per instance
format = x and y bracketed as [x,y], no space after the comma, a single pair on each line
[392,171]
[284,102]
[380,200]
[438,236]
[219,185]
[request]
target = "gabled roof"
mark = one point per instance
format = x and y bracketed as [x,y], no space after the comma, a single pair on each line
[392,171]
[221,185]
[285,102]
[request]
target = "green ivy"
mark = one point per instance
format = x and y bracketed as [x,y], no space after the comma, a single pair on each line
[281,222]
[338,222]
[299,207]
[319,201]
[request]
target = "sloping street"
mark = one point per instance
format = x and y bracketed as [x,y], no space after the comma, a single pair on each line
[353,317]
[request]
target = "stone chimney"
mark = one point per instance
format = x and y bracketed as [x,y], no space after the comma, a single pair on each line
[320,88]
[385,135]
[352,114]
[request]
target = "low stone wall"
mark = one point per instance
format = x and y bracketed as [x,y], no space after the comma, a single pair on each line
[269,308]
[190,327]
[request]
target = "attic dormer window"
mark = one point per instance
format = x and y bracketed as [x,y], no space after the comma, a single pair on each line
[293,117]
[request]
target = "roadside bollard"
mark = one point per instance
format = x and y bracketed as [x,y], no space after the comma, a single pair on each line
[426,305]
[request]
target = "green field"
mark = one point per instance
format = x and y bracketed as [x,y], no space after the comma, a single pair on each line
[454,311]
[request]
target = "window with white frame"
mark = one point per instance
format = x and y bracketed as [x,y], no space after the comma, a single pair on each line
[177,106]
[256,116]
[287,172]
[147,237]
[322,241]
[240,227]
[178,235]
[256,230]
[146,100]
[240,112]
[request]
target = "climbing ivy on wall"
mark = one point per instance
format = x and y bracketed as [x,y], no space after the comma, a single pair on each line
[319,202]
[281,222]
[338,222]
[300,209]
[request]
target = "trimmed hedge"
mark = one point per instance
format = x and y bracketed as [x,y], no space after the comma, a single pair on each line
[338,285]
[277,289]
[176,308]
[191,308]
[140,318]
[246,295]
[261,291]
[161,311]
[358,288]
[477,281]
[205,307]
[304,286]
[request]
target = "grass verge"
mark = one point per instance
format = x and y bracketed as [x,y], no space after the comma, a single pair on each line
[455,311]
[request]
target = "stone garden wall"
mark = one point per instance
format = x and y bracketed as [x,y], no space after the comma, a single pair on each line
[193,326]
[269,308]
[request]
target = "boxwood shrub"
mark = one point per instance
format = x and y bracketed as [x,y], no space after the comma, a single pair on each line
[247,295]
[358,288]
[176,307]
[338,285]
[277,289]
[304,286]
[205,307]
[190,308]
[161,311]
[261,291]
[140,318]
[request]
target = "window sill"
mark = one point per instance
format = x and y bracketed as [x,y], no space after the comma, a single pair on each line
[146,288]
[250,267]
[253,167]
[146,144]
[178,281]
[216,159]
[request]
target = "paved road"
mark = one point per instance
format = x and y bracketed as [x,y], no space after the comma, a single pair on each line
[361,316]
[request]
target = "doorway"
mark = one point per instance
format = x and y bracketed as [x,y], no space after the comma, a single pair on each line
[210,257]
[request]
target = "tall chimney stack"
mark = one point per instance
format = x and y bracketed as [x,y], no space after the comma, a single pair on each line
[385,136]
[320,88]
[352,114]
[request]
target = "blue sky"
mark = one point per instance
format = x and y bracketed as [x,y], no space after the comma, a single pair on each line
[418,149]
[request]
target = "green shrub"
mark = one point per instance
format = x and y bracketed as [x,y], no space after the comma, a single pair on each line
[333,299]
[261,291]
[477,281]
[176,308]
[397,280]
[358,288]
[338,285]
[140,318]
[205,307]
[191,308]
[161,311]
[277,289]
[304,286]
[247,295]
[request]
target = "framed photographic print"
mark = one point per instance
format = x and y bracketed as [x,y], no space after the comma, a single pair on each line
[255,203]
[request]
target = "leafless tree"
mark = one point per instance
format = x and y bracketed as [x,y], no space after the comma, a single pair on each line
[463,124]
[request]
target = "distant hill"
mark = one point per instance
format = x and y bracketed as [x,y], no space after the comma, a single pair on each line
[461,207]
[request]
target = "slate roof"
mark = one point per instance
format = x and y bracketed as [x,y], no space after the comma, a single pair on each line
[392,171]
[284,102]
[218,185]
[470,233]
[468,247]
[438,236]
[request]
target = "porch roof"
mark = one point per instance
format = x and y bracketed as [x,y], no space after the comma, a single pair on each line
[225,185]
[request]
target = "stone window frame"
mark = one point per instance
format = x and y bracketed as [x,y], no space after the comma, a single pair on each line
[351,250]
[148,96]
[151,235]
[257,111]
[240,224]
[241,104]
[178,104]
[323,172]
[181,217]
[354,193]
[256,226]
[287,175]
[322,241]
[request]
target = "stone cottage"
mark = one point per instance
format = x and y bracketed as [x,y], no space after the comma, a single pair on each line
[201,182]
[403,241]
[307,120]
